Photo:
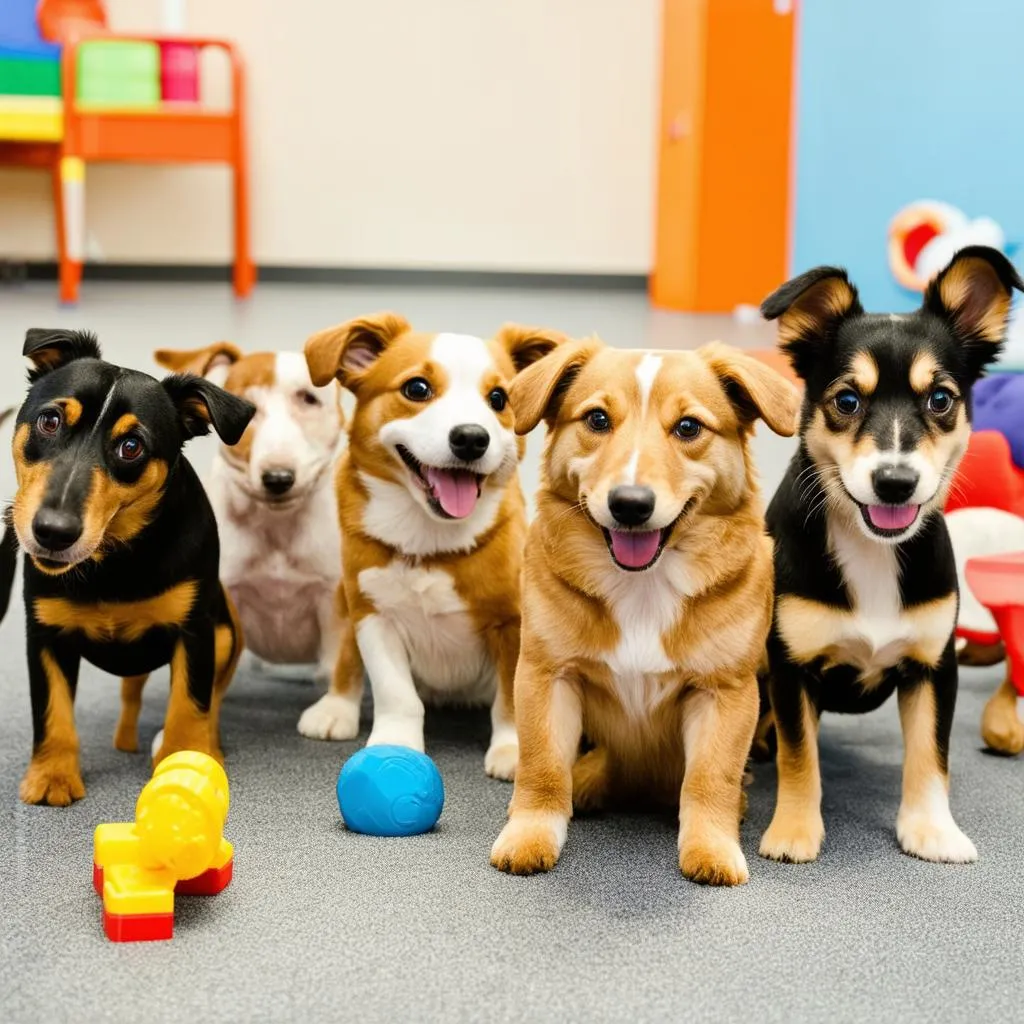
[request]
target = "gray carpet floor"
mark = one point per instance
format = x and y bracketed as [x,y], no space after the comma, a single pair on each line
[323,925]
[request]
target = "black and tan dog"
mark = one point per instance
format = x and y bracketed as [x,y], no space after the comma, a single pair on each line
[121,550]
[866,585]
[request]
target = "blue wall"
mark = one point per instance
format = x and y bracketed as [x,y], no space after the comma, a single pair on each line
[902,100]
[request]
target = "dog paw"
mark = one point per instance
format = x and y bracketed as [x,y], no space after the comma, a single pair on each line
[935,839]
[126,739]
[713,860]
[1001,729]
[795,840]
[399,732]
[332,717]
[529,842]
[500,761]
[56,783]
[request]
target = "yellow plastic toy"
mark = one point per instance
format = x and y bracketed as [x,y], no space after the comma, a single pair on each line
[175,844]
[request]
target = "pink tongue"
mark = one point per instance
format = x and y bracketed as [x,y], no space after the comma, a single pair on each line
[892,517]
[455,490]
[635,550]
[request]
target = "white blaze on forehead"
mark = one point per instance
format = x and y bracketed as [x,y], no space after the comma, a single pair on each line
[292,374]
[465,358]
[646,371]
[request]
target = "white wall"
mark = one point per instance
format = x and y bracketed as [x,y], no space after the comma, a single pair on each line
[473,134]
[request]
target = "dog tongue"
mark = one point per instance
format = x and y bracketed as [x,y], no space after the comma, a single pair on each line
[635,550]
[455,490]
[892,517]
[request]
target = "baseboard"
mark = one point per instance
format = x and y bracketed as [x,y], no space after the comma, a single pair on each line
[44,271]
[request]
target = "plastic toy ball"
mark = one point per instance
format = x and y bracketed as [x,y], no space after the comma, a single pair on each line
[390,791]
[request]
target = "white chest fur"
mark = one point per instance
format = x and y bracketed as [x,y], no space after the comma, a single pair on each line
[448,658]
[878,632]
[645,606]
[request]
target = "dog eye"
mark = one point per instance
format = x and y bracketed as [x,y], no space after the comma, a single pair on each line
[940,401]
[130,448]
[307,398]
[417,390]
[687,428]
[598,420]
[498,399]
[49,422]
[847,402]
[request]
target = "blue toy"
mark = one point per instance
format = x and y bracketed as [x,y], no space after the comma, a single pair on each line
[390,791]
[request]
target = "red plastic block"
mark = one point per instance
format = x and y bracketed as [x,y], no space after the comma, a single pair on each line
[209,883]
[137,927]
[97,878]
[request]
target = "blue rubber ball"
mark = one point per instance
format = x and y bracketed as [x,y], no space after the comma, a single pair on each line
[390,791]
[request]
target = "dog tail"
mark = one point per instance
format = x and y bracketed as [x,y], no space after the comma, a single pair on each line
[8,563]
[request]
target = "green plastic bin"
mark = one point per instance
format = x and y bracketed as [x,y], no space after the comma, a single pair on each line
[118,74]
[26,76]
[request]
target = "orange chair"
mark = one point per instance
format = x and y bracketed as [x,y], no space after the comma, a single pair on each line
[177,133]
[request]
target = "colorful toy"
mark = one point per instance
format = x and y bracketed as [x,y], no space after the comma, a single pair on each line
[390,791]
[985,516]
[175,845]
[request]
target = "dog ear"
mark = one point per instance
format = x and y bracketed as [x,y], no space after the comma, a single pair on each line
[211,362]
[537,392]
[347,350]
[973,294]
[201,404]
[51,349]
[754,388]
[525,345]
[809,308]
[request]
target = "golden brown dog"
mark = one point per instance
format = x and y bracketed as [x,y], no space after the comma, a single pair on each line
[646,597]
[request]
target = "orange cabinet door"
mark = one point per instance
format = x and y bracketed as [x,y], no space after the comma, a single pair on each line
[724,153]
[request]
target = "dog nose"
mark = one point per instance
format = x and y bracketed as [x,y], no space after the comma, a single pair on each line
[631,506]
[468,441]
[278,481]
[894,484]
[56,530]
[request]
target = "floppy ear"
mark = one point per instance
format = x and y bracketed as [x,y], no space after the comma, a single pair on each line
[526,345]
[50,349]
[347,350]
[754,388]
[212,362]
[537,392]
[973,294]
[809,308]
[201,404]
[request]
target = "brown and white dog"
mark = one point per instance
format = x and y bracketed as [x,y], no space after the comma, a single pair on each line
[647,595]
[274,500]
[434,522]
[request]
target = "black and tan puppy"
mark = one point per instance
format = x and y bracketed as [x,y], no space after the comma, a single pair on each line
[121,550]
[866,585]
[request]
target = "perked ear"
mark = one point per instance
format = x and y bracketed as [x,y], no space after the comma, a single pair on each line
[51,349]
[809,308]
[755,389]
[537,392]
[347,350]
[212,362]
[201,404]
[525,345]
[973,294]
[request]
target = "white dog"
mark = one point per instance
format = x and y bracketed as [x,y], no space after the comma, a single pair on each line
[273,495]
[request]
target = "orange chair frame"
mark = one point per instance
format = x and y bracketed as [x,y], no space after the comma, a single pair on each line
[167,134]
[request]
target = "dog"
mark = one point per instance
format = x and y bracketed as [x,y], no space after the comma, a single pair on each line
[273,495]
[647,593]
[434,522]
[865,578]
[121,550]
